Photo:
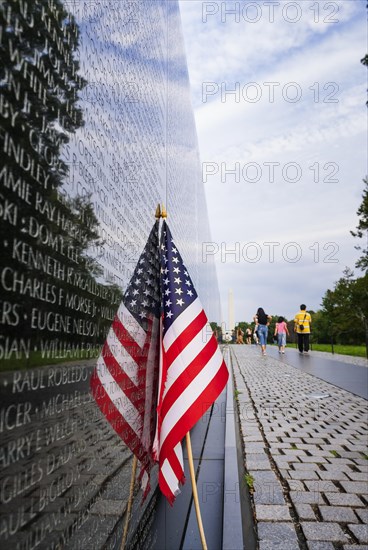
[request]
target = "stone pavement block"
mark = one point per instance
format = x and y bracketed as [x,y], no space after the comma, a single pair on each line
[338,468]
[256,466]
[336,475]
[321,486]
[278,545]
[358,487]
[266,512]
[255,447]
[318,545]
[315,441]
[316,459]
[306,446]
[320,454]
[306,497]
[305,511]
[323,531]
[341,462]
[268,493]
[355,547]
[350,454]
[295,485]
[278,535]
[357,476]
[280,463]
[305,466]
[303,474]
[257,457]
[295,452]
[363,514]
[343,499]
[360,531]
[252,437]
[251,429]
[338,514]
[266,477]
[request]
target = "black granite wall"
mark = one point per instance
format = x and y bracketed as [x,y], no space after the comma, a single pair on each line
[96,128]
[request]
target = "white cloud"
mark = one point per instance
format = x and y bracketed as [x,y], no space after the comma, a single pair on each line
[326,140]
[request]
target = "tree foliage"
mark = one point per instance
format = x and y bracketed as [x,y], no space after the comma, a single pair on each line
[344,314]
[361,231]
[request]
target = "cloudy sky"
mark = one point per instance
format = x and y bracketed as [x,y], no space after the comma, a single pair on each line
[279,97]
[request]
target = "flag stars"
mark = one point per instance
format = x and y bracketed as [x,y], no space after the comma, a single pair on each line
[168,303]
[133,303]
[180,302]
[169,314]
[167,292]
[137,281]
[135,292]
[177,280]
[166,281]
[175,260]
[190,293]
[188,283]
[174,249]
[178,291]
[176,270]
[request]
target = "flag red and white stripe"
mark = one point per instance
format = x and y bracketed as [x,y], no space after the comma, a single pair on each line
[125,380]
[192,370]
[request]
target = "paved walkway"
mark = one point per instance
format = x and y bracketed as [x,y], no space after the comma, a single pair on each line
[305,453]
[348,376]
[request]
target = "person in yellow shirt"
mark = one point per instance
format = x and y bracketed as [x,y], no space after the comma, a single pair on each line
[302,324]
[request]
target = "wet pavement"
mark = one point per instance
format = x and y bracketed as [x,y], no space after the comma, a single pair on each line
[350,377]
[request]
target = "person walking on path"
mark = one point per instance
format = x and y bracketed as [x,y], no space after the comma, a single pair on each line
[239,336]
[302,323]
[262,320]
[281,331]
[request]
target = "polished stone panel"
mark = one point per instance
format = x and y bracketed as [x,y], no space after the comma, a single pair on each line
[96,128]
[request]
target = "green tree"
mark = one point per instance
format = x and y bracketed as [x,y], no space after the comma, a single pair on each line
[362,229]
[346,309]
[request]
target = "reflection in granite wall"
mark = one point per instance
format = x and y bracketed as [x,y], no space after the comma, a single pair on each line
[96,128]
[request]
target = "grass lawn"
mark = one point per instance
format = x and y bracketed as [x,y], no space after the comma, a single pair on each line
[357,351]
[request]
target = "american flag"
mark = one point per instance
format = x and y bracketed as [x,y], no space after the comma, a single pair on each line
[192,370]
[124,382]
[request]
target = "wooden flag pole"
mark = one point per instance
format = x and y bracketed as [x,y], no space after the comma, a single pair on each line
[130,502]
[195,492]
